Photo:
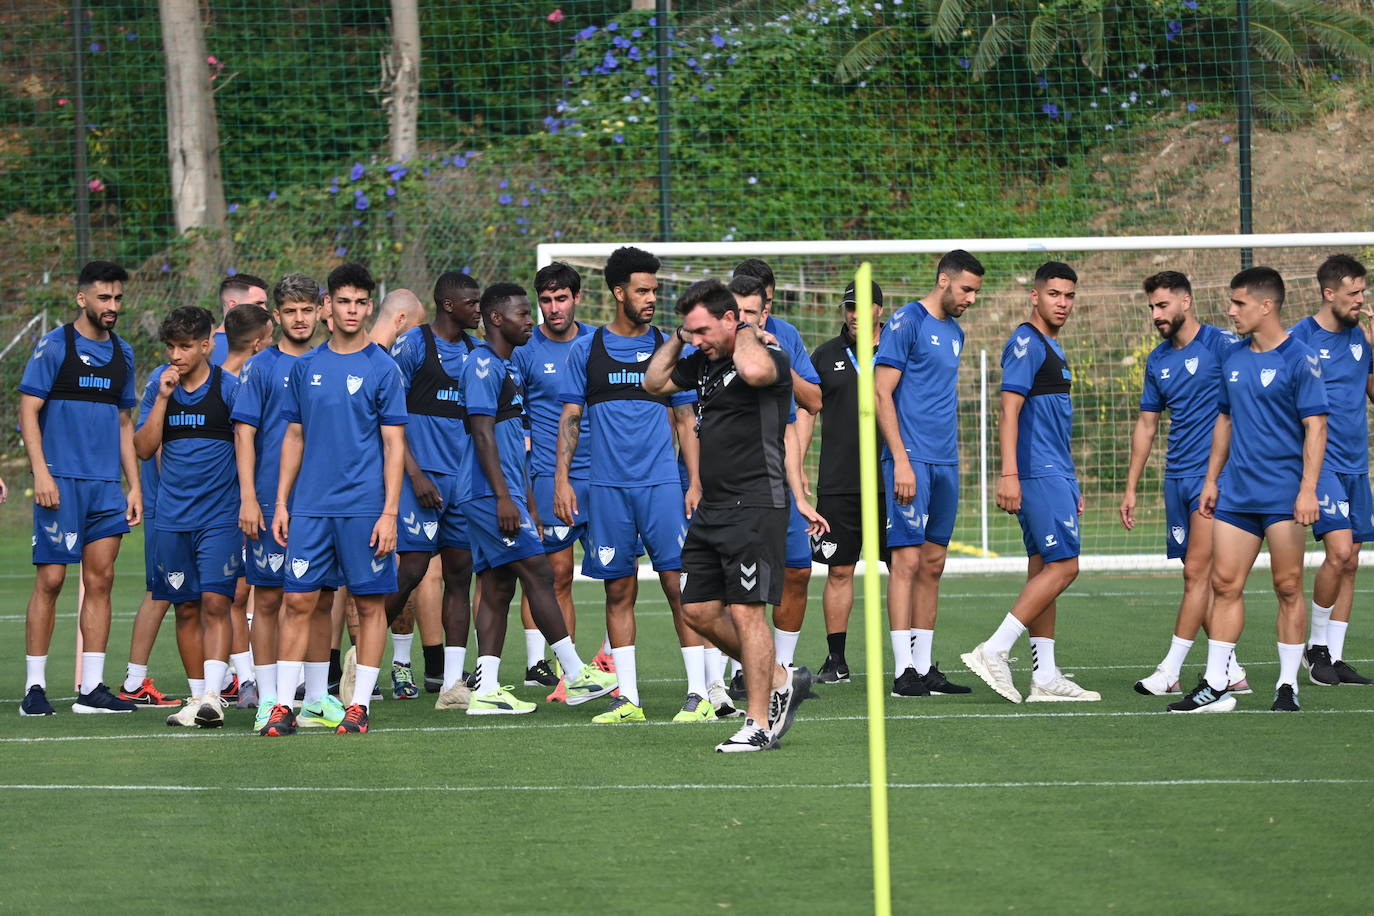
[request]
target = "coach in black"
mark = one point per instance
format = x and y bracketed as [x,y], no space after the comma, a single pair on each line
[733,556]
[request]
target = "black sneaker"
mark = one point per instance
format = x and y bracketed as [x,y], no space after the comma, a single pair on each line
[1349,675]
[100,700]
[910,684]
[939,685]
[750,737]
[784,701]
[434,684]
[834,671]
[1320,670]
[736,689]
[540,674]
[36,703]
[1285,699]
[1204,698]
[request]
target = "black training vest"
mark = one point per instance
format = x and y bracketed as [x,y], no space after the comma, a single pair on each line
[510,403]
[609,379]
[77,381]
[433,392]
[1049,378]
[208,419]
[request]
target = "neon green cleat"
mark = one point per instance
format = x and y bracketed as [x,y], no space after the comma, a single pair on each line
[696,709]
[498,702]
[620,710]
[590,684]
[264,713]
[327,713]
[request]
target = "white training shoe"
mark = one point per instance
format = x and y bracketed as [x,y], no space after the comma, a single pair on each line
[1060,690]
[995,671]
[1240,684]
[211,711]
[348,675]
[186,715]
[720,700]
[1159,684]
[456,697]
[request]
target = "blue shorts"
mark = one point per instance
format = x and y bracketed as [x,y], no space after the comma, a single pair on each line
[558,536]
[150,573]
[619,517]
[1356,488]
[1049,517]
[333,552]
[427,530]
[87,511]
[1335,505]
[798,541]
[489,548]
[265,564]
[930,515]
[1255,523]
[1180,502]
[193,563]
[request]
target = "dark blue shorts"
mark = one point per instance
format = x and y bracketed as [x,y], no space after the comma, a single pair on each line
[621,517]
[87,511]
[1049,517]
[930,515]
[1344,502]
[1255,523]
[558,536]
[189,564]
[427,530]
[490,548]
[1180,502]
[332,552]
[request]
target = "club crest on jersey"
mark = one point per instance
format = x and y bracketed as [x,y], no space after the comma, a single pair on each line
[729,377]
[1267,376]
[354,382]
[275,560]
[176,580]
[299,566]
[69,538]
[1357,351]
[558,532]
[605,555]
[1191,365]
[957,346]
[828,549]
[1019,348]
[641,356]
[431,529]
[1178,533]
[1344,506]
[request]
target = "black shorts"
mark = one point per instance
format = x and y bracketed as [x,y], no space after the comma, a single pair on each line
[735,555]
[842,545]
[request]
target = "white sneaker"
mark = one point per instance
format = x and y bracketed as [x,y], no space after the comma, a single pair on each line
[186,715]
[211,711]
[456,697]
[719,698]
[1159,684]
[995,671]
[1060,690]
[1240,684]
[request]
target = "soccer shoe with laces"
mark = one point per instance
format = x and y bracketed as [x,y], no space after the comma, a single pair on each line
[696,709]
[348,675]
[1285,699]
[147,694]
[1161,683]
[909,684]
[185,716]
[248,695]
[620,710]
[1060,690]
[833,671]
[211,711]
[750,737]
[605,661]
[456,697]
[354,721]
[993,670]
[403,685]
[720,700]
[559,694]
[264,713]
[1203,698]
[589,684]
[36,703]
[433,684]
[327,713]
[100,700]
[784,701]
[736,687]
[940,686]
[498,702]
[541,674]
[231,692]
[1320,669]
[281,721]
[1349,675]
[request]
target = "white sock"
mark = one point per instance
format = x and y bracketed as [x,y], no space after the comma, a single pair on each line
[735,667]
[488,674]
[921,642]
[1290,656]
[243,665]
[289,674]
[1005,637]
[565,652]
[400,648]
[785,646]
[362,687]
[1335,638]
[1043,669]
[534,648]
[1218,657]
[316,682]
[134,678]
[625,673]
[694,660]
[266,677]
[1178,651]
[1234,672]
[92,670]
[1320,617]
[606,644]
[215,673]
[901,650]
[715,666]
[196,686]
[35,671]
[454,656]
[228,679]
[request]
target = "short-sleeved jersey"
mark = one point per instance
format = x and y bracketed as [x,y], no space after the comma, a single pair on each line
[926,350]
[742,429]
[342,400]
[1267,396]
[790,340]
[263,391]
[631,437]
[147,470]
[492,388]
[198,484]
[1186,381]
[1346,367]
[219,349]
[80,431]
[543,364]
[1034,367]
[436,437]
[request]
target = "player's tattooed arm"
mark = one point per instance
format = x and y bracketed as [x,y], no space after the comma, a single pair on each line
[569,432]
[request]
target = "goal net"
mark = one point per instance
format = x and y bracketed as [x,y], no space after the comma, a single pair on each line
[1107,340]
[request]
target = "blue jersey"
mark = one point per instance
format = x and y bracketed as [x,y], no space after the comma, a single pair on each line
[1346,367]
[436,435]
[492,388]
[342,400]
[632,440]
[80,415]
[1186,381]
[198,484]
[263,392]
[148,476]
[1267,395]
[925,349]
[543,364]
[1034,366]
[790,340]
[219,350]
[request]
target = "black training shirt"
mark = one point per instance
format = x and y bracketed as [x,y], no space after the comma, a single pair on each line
[839,470]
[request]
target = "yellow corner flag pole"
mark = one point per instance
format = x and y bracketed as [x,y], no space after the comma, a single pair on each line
[873,604]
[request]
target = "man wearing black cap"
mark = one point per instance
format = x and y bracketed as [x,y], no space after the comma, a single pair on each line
[838,485]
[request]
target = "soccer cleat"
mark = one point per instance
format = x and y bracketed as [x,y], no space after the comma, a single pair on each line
[834,671]
[940,686]
[1349,675]
[348,676]
[909,684]
[993,670]
[1320,669]
[264,713]
[354,721]
[210,713]
[1159,684]
[231,693]
[696,709]
[559,694]
[1203,698]
[281,721]
[605,661]
[784,701]
[403,685]
[248,695]
[147,694]
[35,703]
[327,713]
[1060,690]
[620,710]
[498,702]
[720,700]
[1285,699]
[456,697]
[433,684]
[736,688]
[100,700]
[186,716]
[591,683]
[541,674]
[750,737]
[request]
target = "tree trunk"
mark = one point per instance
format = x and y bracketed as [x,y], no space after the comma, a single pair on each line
[402,100]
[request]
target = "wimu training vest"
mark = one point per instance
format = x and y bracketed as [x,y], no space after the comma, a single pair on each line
[208,419]
[77,381]
[433,392]
[1053,376]
[609,379]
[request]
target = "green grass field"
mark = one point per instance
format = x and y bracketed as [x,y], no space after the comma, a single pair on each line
[994,808]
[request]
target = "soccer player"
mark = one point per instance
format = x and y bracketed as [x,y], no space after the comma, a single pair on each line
[916,386]
[1262,482]
[1038,484]
[240,289]
[197,545]
[494,491]
[1182,376]
[734,551]
[345,413]
[633,488]
[73,400]
[1347,513]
